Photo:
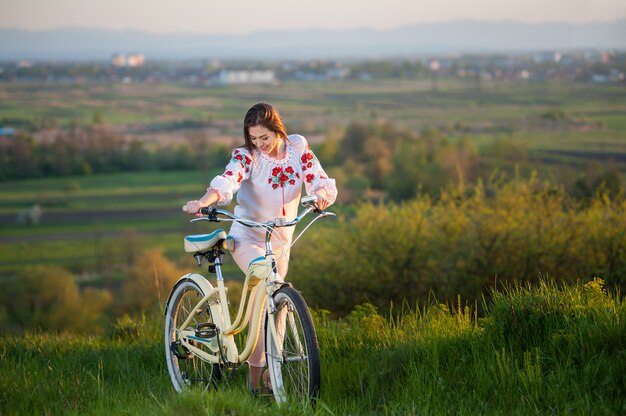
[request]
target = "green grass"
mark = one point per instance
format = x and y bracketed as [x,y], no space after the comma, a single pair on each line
[537,350]
[102,184]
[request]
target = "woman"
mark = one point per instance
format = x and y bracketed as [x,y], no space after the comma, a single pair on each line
[267,173]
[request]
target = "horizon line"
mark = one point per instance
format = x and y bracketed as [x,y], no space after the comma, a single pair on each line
[309,29]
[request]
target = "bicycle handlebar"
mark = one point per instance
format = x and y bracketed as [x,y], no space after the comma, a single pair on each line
[308,202]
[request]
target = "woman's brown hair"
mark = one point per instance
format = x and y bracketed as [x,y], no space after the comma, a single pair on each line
[262,114]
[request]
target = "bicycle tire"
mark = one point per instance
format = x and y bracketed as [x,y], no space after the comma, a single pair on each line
[190,370]
[295,375]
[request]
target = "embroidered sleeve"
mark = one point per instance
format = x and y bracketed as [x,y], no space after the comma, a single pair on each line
[314,175]
[228,183]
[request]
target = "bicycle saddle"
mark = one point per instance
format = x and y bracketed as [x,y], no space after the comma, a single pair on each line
[203,242]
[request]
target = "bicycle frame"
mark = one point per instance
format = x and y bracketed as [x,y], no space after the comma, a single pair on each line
[262,277]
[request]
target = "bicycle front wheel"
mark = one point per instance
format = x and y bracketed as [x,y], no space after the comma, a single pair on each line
[187,369]
[293,357]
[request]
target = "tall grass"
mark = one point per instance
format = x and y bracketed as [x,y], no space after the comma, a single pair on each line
[538,350]
[541,349]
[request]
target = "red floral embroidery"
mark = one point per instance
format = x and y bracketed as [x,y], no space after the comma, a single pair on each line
[242,159]
[307,159]
[239,177]
[229,173]
[310,177]
[280,177]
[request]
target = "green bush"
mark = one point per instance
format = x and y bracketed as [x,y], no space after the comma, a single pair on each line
[464,242]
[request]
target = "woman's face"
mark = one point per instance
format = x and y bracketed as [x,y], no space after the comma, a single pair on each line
[265,140]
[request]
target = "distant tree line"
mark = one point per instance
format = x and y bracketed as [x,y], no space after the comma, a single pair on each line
[377,160]
[572,67]
[85,151]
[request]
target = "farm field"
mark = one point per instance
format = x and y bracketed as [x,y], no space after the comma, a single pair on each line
[571,126]
[312,107]
[84,218]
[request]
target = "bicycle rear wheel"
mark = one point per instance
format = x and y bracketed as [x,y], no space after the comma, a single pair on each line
[293,359]
[185,368]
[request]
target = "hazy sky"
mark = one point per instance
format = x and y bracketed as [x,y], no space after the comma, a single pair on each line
[232,16]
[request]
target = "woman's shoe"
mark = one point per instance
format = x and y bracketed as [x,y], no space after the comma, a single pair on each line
[267,381]
[264,391]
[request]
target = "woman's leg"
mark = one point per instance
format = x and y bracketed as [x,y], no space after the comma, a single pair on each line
[246,251]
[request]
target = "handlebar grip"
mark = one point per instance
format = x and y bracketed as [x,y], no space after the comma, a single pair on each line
[203,211]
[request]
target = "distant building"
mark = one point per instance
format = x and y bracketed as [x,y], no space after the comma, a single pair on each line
[7,132]
[30,215]
[338,73]
[226,77]
[599,78]
[135,60]
[547,57]
[118,60]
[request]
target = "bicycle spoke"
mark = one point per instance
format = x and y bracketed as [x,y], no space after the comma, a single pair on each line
[294,330]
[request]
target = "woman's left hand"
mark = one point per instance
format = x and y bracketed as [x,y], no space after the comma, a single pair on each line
[322,199]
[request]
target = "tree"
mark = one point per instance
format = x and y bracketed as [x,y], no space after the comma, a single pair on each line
[22,157]
[48,298]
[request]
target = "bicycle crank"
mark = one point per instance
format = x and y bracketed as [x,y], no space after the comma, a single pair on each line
[179,350]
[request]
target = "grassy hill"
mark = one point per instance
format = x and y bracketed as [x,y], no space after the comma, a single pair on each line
[537,350]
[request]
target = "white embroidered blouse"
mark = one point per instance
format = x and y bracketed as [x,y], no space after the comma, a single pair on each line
[269,188]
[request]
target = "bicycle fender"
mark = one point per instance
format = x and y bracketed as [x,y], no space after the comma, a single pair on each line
[200,280]
[284,284]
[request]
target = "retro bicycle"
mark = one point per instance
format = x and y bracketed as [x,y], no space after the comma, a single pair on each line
[200,345]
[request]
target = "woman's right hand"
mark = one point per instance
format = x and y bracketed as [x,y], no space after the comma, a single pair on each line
[193,207]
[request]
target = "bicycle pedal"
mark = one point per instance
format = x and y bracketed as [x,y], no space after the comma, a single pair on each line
[206,330]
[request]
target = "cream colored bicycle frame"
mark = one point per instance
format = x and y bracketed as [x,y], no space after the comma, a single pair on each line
[259,275]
